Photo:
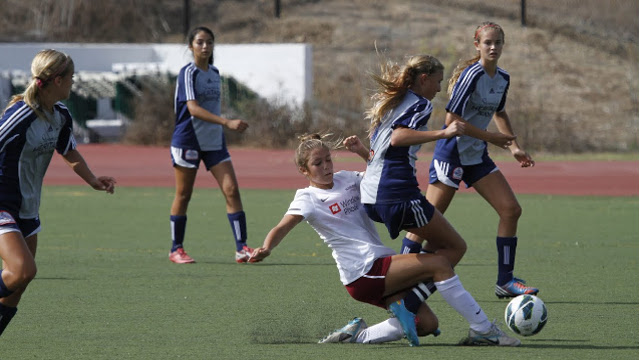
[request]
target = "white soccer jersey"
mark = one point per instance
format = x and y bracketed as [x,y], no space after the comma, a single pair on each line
[339,218]
[476,97]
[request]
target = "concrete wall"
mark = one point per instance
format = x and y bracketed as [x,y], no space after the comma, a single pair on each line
[280,72]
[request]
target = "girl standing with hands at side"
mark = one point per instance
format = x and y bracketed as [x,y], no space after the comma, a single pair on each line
[371,272]
[34,124]
[478,93]
[199,136]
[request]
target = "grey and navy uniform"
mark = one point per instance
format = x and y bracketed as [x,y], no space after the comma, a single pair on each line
[476,96]
[204,87]
[27,142]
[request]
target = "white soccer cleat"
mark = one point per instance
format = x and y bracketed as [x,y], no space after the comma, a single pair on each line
[347,334]
[493,337]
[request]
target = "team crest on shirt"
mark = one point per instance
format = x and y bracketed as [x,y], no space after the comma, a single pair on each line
[335,208]
[371,154]
[191,155]
[457,173]
[6,218]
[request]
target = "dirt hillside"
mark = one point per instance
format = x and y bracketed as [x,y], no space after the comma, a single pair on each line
[574,68]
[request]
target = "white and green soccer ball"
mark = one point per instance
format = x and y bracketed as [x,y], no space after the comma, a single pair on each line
[526,315]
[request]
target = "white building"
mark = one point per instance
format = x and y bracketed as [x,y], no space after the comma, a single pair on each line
[277,72]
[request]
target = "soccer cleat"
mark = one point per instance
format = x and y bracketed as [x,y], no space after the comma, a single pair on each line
[347,334]
[243,255]
[514,288]
[493,337]
[407,321]
[180,257]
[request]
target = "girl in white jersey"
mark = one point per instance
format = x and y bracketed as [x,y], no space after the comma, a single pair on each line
[370,271]
[478,90]
[199,136]
[33,125]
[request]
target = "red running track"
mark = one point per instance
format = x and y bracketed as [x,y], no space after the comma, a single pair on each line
[274,169]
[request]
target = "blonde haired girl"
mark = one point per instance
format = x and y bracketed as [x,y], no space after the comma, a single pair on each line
[478,93]
[33,125]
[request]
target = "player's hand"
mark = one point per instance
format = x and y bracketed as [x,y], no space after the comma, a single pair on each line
[237,125]
[523,158]
[259,254]
[353,143]
[455,128]
[502,140]
[105,183]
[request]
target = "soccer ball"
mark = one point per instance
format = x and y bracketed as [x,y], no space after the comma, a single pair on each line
[526,315]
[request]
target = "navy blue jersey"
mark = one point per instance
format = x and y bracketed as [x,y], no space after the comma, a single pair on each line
[27,143]
[391,171]
[476,97]
[203,87]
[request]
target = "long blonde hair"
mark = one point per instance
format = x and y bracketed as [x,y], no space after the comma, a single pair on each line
[465,63]
[394,82]
[45,67]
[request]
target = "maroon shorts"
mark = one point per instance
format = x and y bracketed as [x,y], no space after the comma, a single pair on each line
[370,287]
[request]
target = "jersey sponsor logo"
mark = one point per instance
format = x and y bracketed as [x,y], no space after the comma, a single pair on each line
[351,205]
[335,208]
[457,173]
[6,218]
[191,155]
[352,187]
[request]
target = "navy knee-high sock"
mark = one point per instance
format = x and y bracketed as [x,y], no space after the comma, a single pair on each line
[506,258]
[410,247]
[238,222]
[178,229]
[6,314]
[419,294]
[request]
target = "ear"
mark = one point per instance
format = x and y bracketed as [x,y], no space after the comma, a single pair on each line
[303,171]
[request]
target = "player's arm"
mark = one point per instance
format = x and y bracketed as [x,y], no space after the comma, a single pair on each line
[498,139]
[404,136]
[503,123]
[275,236]
[74,159]
[203,114]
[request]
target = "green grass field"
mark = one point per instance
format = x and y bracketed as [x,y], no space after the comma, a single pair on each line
[106,290]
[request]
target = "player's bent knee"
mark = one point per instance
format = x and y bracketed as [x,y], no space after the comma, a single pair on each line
[442,267]
[427,324]
[21,278]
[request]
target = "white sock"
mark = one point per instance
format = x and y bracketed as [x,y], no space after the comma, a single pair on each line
[455,295]
[388,330]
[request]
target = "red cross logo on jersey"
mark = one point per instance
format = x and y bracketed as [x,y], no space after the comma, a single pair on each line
[335,208]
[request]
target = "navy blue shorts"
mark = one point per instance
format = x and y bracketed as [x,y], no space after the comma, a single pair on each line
[399,216]
[451,173]
[190,158]
[11,222]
